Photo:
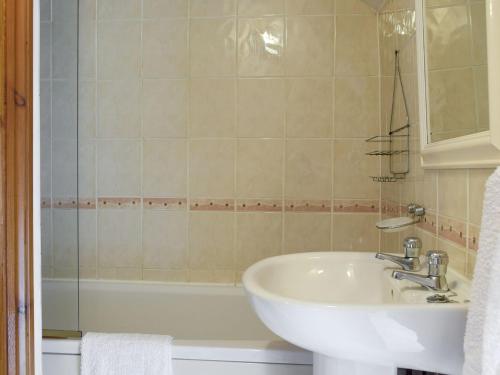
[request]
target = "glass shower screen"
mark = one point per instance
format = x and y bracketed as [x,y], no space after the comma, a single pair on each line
[59,165]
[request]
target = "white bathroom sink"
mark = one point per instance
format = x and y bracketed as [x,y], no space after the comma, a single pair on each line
[347,309]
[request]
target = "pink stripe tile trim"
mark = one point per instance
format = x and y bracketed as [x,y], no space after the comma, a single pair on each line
[308,205]
[212,205]
[356,206]
[119,202]
[174,204]
[259,205]
[452,230]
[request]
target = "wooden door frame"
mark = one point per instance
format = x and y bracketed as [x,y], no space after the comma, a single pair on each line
[16,188]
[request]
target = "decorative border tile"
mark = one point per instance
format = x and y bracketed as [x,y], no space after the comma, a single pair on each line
[65,203]
[473,237]
[452,230]
[390,208]
[212,205]
[46,203]
[429,222]
[173,204]
[356,206]
[309,205]
[87,204]
[119,202]
[258,205]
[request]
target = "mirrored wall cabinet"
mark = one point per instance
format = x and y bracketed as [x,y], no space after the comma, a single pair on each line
[459,82]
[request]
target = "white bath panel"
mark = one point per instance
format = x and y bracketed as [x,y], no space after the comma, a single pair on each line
[63,364]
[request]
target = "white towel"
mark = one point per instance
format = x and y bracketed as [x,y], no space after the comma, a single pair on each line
[482,334]
[126,354]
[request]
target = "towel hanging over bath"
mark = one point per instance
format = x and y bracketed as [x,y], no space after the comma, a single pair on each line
[126,354]
[482,334]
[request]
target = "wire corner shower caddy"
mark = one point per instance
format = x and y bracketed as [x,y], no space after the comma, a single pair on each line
[397,139]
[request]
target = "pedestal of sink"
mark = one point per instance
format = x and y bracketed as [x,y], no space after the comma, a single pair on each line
[324,365]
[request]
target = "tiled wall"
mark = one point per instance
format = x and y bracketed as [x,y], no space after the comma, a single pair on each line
[453,198]
[213,133]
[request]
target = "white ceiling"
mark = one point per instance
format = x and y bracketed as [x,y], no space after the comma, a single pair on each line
[375,4]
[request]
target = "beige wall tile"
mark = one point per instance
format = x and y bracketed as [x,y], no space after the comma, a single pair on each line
[261,44]
[119,109]
[211,241]
[477,181]
[356,45]
[456,254]
[86,169]
[112,9]
[64,109]
[165,8]
[211,168]
[309,49]
[213,47]
[308,169]
[307,232]
[165,49]
[64,48]
[87,119]
[352,169]
[65,232]
[259,169]
[452,193]
[426,190]
[355,232]
[254,8]
[87,238]
[164,168]
[164,237]
[309,107]
[118,238]
[178,276]
[261,107]
[258,236]
[213,8]
[213,112]
[64,172]
[310,7]
[356,107]
[471,263]
[352,7]
[118,46]
[118,168]
[165,108]
[120,273]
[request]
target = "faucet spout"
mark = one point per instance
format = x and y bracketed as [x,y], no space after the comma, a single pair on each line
[407,263]
[437,283]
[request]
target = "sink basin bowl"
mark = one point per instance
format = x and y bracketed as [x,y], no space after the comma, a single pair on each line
[347,309]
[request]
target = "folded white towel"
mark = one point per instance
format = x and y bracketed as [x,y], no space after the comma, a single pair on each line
[482,334]
[126,354]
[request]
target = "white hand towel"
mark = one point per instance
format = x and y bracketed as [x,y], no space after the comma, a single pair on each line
[482,334]
[126,354]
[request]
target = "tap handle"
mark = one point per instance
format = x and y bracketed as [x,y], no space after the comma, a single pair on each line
[438,262]
[411,247]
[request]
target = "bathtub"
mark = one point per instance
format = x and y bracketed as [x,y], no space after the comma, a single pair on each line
[214,329]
